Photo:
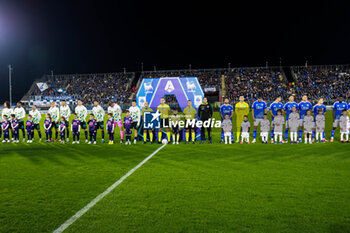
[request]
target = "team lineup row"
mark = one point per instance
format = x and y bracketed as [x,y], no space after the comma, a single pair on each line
[296,117]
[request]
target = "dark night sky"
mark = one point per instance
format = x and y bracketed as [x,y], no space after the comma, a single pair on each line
[83,36]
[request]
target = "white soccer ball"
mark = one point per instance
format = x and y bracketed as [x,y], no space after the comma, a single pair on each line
[164,141]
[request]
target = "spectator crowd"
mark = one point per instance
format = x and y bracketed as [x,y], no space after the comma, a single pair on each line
[268,83]
[100,87]
[327,82]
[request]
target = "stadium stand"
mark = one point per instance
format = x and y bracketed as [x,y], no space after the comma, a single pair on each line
[268,82]
[88,87]
[206,77]
[322,81]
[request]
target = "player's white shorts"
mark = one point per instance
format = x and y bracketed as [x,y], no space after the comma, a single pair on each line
[319,129]
[245,134]
[301,122]
[307,131]
[264,134]
[227,134]
[336,123]
[257,122]
[344,131]
[287,125]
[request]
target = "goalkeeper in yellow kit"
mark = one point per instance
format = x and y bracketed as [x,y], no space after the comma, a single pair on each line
[241,109]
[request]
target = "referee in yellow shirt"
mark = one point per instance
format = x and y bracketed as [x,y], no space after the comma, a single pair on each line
[164,110]
[241,109]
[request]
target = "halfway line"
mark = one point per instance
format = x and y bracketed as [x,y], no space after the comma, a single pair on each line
[102,195]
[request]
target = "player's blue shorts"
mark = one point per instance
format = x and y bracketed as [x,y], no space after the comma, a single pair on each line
[75,131]
[128,130]
[83,125]
[100,125]
[21,125]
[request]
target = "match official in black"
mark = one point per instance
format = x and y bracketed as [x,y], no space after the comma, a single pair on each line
[205,112]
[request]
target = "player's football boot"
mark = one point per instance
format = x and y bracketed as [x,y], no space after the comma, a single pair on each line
[86,141]
[254,140]
[221,141]
[95,142]
[73,142]
[121,141]
[248,142]
[271,140]
[89,143]
[134,141]
[186,142]
[325,140]
[210,142]
[177,143]
[317,141]
[282,141]
[201,142]
[241,142]
[193,142]
[313,140]
[103,141]
[144,142]
[275,142]
[78,142]
[332,139]
[67,139]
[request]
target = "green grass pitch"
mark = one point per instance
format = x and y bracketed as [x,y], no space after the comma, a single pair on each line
[183,188]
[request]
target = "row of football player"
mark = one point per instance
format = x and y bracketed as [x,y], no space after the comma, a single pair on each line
[62,127]
[259,108]
[13,120]
[310,125]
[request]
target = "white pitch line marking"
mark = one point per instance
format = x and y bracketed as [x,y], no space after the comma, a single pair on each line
[80,213]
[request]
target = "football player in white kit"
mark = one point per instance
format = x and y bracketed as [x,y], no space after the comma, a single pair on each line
[20,114]
[81,111]
[116,110]
[99,114]
[65,112]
